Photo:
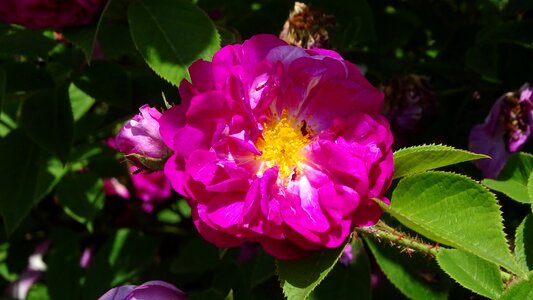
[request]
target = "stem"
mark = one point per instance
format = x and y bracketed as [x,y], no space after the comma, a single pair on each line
[382,231]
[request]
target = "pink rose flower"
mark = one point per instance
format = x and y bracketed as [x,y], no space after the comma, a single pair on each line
[49,13]
[140,136]
[278,145]
[151,290]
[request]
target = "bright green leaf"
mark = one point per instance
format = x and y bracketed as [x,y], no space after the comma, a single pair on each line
[418,159]
[407,273]
[26,176]
[530,187]
[171,35]
[300,277]
[524,242]
[513,179]
[81,195]
[472,272]
[520,290]
[454,210]
[79,101]
[47,119]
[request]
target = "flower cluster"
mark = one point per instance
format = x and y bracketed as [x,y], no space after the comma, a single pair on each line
[505,130]
[279,145]
[49,13]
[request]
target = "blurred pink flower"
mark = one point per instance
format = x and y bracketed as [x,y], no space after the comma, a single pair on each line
[34,271]
[278,145]
[140,136]
[151,290]
[505,130]
[49,13]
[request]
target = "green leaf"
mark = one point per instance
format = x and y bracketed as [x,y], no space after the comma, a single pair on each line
[81,195]
[300,277]
[197,256]
[520,290]
[106,81]
[454,210]
[25,76]
[530,186]
[171,35]
[47,119]
[26,42]
[2,89]
[418,159]
[483,58]
[410,275]
[84,37]
[79,101]
[26,176]
[524,242]
[513,179]
[64,258]
[472,272]
[345,281]
[125,254]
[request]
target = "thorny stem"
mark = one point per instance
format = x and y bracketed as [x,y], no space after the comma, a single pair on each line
[409,244]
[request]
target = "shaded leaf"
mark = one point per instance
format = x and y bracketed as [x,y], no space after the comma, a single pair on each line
[300,277]
[81,195]
[171,35]
[453,210]
[513,179]
[26,176]
[47,119]
[26,42]
[410,275]
[418,159]
[343,282]
[125,254]
[472,272]
[64,258]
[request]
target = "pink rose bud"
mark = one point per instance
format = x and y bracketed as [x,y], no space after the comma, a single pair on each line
[141,141]
[49,13]
[151,290]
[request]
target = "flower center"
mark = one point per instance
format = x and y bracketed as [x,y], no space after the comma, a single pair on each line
[281,145]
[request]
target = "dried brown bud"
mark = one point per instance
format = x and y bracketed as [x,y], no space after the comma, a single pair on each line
[306,27]
[409,102]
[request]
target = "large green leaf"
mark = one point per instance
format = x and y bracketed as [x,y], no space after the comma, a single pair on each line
[454,210]
[411,275]
[81,195]
[520,290]
[171,35]
[26,176]
[2,88]
[47,119]
[418,159]
[300,277]
[472,272]
[513,179]
[524,242]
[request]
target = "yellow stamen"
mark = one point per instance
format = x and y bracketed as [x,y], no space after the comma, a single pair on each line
[281,145]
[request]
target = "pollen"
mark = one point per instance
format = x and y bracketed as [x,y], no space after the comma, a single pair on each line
[281,145]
